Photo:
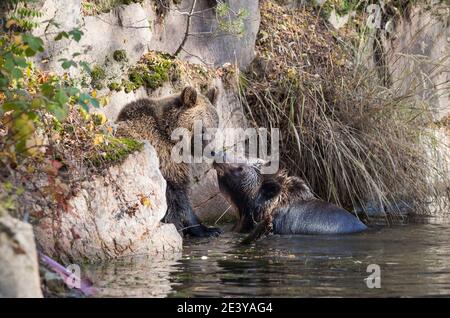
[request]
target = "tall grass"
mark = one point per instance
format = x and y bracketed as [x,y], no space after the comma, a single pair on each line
[355,141]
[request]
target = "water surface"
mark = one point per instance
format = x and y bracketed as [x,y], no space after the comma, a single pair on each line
[414,260]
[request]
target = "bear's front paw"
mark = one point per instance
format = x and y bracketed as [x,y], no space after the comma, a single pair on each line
[204,231]
[213,231]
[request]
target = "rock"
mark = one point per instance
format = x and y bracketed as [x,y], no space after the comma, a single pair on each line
[117,100]
[19,268]
[125,27]
[417,56]
[137,28]
[113,215]
[417,39]
[208,44]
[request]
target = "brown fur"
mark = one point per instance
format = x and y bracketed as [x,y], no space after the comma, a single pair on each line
[155,120]
[292,189]
[280,203]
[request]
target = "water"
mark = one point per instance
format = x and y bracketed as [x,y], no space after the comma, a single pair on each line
[414,260]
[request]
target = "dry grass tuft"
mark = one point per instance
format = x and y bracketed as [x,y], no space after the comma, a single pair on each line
[354,140]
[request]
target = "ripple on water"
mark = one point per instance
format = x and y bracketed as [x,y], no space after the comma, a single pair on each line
[414,261]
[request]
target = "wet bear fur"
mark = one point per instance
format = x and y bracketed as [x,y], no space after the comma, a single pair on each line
[286,201]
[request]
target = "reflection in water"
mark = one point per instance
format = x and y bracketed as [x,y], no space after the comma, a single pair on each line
[414,261]
[140,276]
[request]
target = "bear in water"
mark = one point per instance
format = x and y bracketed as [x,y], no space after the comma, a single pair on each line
[285,203]
[155,120]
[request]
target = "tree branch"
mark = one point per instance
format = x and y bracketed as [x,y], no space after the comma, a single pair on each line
[186,33]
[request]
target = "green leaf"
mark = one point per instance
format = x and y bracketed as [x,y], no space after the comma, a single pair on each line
[3,82]
[85,67]
[20,61]
[37,103]
[29,52]
[33,116]
[61,97]
[84,106]
[72,91]
[95,102]
[76,34]
[8,62]
[48,90]
[85,99]
[21,145]
[14,105]
[59,112]
[61,35]
[35,43]
[16,73]
[68,64]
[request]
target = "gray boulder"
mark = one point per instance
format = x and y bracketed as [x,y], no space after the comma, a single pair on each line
[113,215]
[19,268]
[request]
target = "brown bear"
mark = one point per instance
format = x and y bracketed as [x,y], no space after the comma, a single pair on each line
[284,203]
[155,120]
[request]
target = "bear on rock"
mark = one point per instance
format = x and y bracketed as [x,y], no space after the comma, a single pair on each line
[155,120]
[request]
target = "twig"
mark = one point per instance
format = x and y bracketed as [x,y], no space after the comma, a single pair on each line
[222,214]
[186,33]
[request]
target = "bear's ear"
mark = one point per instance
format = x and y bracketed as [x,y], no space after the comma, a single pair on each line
[270,188]
[188,96]
[213,95]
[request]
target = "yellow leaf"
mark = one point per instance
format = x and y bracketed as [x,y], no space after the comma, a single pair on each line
[145,201]
[10,23]
[90,126]
[94,93]
[84,114]
[98,139]
[104,101]
[17,39]
[34,143]
[99,118]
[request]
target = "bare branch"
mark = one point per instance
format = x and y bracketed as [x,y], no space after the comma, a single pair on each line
[186,33]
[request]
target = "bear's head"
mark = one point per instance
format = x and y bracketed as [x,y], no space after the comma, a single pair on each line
[184,109]
[254,194]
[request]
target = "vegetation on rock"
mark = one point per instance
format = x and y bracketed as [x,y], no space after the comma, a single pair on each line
[94,7]
[98,75]
[151,72]
[113,150]
[49,142]
[120,55]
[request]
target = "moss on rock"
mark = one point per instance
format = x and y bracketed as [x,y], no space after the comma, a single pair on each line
[152,71]
[114,150]
[94,7]
[98,75]
[120,55]
[114,86]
